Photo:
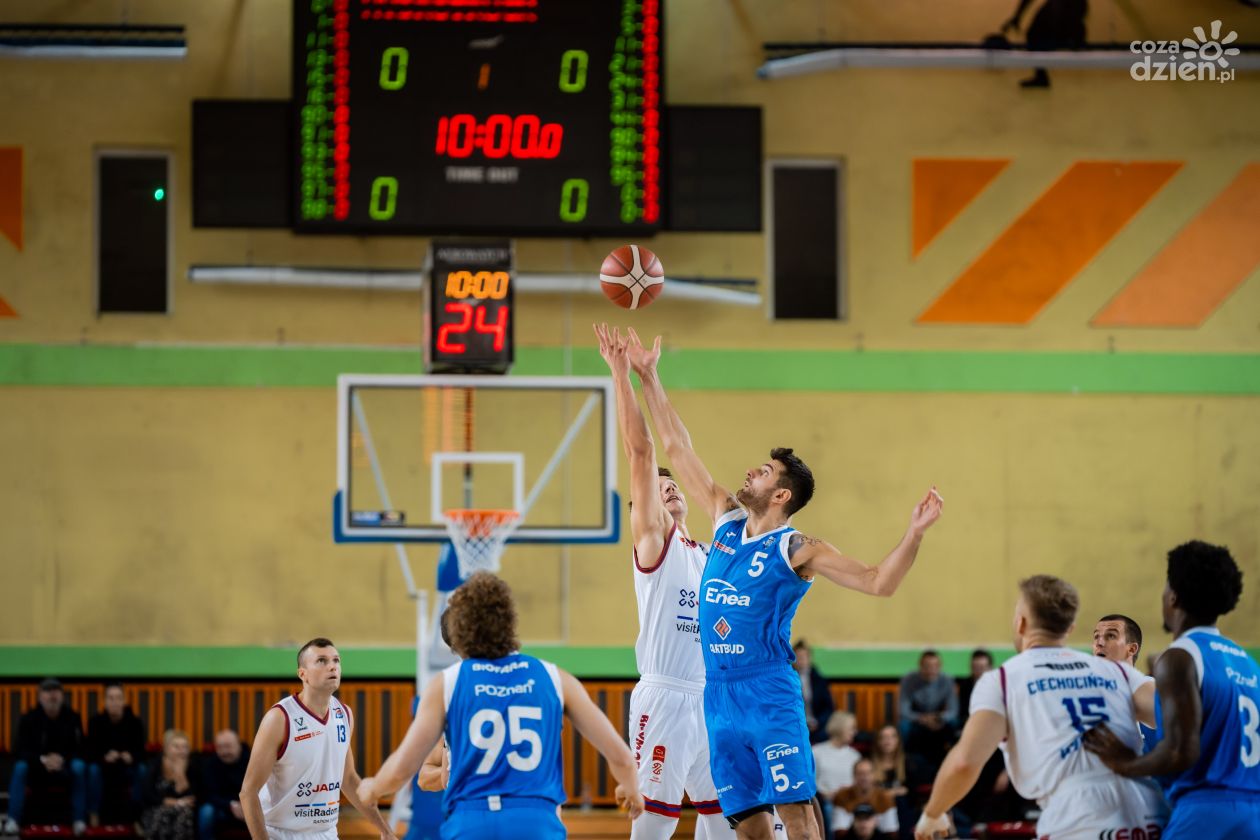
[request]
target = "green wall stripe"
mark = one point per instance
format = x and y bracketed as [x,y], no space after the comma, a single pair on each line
[214,663]
[773,370]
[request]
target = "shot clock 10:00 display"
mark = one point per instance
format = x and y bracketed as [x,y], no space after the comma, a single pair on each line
[477,116]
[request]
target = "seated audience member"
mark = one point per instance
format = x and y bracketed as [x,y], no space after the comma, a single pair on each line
[115,748]
[865,825]
[171,789]
[864,791]
[222,776]
[816,691]
[48,749]
[981,663]
[929,709]
[834,760]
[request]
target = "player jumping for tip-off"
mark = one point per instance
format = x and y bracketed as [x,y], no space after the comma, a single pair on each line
[758,570]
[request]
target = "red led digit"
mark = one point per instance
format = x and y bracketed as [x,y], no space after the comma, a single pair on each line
[441,135]
[549,141]
[461,139]
[525,136]
[444,345]
[498,136]
[498,329]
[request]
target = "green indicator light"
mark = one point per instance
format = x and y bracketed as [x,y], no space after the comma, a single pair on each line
[159,194]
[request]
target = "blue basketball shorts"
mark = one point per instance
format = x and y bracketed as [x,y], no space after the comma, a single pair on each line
[511,823]
[1214,815]
[759,748]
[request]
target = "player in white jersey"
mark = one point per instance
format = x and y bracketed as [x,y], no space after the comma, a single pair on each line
[667,731]
[301,764]
[1037,706]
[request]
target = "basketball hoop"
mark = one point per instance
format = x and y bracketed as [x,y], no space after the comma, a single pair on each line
[478,537]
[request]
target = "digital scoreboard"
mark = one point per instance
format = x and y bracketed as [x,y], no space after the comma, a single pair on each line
[517,117]
[471,320]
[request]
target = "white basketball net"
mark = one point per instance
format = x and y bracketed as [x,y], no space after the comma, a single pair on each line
[478,537]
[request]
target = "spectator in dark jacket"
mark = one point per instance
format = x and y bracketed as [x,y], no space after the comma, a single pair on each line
[49,751]
[816,692]
[171,791]
[115,749]
[222,775]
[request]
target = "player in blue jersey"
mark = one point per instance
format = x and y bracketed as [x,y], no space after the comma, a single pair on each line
[758,570]
[1207,710]
[502,715]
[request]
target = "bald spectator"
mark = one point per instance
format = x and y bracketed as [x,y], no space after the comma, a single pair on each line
[49,749]
[223,774]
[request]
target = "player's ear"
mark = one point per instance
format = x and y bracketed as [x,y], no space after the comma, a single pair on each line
[781,495]
[1071,628]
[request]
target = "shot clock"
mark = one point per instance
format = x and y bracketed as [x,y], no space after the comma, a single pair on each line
[514,117]
[471,317]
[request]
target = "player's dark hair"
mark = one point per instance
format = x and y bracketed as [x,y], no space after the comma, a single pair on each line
[663,472]
[1132,630]
[483,618]
[318,641]
[1206,580]
[1052,601]
[796,477]
[444,627]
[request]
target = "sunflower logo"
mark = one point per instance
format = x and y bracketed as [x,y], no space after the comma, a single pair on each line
[1207,49]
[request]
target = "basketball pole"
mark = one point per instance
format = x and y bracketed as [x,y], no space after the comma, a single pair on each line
[420,596]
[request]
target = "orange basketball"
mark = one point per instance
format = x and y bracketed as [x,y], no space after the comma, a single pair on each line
[631,276]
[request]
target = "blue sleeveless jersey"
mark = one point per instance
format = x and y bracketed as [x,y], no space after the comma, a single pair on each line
[748,597]
[1229,745]
[503,721]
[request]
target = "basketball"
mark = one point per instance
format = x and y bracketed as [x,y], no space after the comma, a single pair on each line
[632,276]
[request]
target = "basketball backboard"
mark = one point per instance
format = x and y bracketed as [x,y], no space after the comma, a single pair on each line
[411,447]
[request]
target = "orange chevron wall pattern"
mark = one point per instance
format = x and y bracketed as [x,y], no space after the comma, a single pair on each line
[1190,277]
[1044,249]
[10,206]
[943,187]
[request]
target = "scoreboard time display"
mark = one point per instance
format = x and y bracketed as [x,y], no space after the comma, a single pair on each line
[519,117]
[471,322]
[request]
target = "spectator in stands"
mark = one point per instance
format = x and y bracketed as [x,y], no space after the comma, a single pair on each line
[834,760]
[223,774]
[170,795]
[889,760]
[929,709]
[816,691]
[864,791]
[115,748]
[49,753]
[865,825]
[981,662]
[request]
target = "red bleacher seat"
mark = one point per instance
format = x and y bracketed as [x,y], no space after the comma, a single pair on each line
[35,830]
[111,832]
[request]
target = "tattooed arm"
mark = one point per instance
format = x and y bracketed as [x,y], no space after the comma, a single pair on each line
[812,556]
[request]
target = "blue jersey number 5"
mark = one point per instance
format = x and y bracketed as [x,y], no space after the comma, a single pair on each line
[1086,712]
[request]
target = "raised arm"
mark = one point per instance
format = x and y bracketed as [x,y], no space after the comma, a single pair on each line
[812,556]
[350,789]
[404,763]
[694,475]
[649,521]
[596,729]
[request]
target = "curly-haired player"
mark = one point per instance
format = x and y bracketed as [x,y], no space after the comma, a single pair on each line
[1207,708]
[501,711]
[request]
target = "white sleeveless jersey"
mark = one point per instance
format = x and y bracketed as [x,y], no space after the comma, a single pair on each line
[669,630]
[1050,697]
[303,792]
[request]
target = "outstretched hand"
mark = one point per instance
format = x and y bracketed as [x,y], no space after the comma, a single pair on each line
[642,359]
[927,511]
[612,346]
[1103,743]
